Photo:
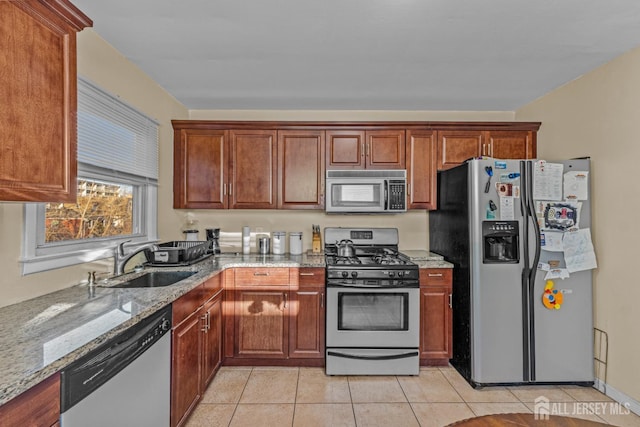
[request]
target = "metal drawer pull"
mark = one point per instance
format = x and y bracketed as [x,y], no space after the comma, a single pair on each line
[307,274]
[322,300]
[387,357]
[450,300]
[260,274]
[435,275]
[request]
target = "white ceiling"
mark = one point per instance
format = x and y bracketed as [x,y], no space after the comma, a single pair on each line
[478,55]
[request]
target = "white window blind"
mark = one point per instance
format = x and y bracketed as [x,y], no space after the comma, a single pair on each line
[114,135]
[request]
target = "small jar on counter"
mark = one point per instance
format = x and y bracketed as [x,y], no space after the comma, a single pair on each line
[278,242]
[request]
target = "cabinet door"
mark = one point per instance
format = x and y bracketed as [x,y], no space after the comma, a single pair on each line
[38,110]
[186,367]
[385,149]
[456,146]
[345,149]
[306,337]
[435,327]
[38,406]
[200,159]
[301,169]
[212,339]
[261,323]
[252,179]
[511,144]
[421,170]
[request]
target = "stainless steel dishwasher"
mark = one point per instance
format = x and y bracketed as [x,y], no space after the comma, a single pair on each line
[124,382]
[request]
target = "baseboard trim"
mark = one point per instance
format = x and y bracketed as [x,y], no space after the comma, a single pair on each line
[629,403]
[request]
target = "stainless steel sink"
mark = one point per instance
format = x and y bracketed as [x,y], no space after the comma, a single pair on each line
[155,279]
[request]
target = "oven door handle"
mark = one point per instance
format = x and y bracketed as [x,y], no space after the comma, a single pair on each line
[387,357]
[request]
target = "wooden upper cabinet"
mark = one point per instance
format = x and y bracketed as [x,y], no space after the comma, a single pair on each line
[456,146]
[385,149]
[373,149]
[200,169]
[252,169]
[421,169]
[301,167]
[38,90]
[345,149]
[511,144]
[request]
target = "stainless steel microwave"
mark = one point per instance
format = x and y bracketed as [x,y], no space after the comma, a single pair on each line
[366,191]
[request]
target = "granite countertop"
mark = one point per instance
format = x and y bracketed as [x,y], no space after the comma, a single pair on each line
[43,335]
[426,259]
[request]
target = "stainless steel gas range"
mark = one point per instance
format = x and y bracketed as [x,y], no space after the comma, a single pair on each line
[373,304]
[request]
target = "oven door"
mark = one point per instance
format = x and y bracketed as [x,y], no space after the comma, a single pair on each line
[373,317]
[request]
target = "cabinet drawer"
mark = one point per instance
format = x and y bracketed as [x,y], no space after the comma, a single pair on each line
[310,277]
[267,276]
[436,276]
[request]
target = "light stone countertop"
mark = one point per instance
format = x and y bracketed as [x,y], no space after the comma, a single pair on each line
[43,335]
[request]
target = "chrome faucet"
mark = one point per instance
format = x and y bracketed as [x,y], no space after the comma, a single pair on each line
[120,259]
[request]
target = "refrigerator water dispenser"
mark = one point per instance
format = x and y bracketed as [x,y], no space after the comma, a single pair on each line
[500,242]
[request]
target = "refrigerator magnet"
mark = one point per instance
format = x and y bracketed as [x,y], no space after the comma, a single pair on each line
[551,298]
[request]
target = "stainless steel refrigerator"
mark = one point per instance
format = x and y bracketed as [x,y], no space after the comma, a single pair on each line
[510,324]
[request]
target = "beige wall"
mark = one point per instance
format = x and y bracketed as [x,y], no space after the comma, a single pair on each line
[597,115]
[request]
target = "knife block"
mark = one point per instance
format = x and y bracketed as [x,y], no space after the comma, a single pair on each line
[316,243]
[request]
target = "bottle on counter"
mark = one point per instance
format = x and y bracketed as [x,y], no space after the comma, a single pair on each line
[246,240]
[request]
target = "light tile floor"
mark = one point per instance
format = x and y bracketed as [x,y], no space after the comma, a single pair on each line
[277,396]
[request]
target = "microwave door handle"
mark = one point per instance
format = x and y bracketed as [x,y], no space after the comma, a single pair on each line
[386,195]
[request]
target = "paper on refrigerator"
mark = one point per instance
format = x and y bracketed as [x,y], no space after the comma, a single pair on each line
[576,185]
[578,250]
[547,180]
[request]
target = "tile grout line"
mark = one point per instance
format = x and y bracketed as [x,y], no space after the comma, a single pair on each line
[295,398]
[235,409]
[407,398]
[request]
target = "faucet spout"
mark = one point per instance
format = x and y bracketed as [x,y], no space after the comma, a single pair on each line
[120,259]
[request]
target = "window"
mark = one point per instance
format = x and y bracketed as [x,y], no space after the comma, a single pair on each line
[117,188]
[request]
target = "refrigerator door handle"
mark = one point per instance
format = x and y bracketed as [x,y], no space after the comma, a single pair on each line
[525,283]
[531,204]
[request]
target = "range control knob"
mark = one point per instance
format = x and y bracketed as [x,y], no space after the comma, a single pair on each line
[354,274]
[400,273]
[391,273]
[165,325]
[345,274]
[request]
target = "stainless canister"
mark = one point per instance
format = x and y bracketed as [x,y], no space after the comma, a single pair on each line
[295,243]
[264,244]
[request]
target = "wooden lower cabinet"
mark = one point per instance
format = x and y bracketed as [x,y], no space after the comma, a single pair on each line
[436,337]
[38,406]
[276,317]
[307,326]
[186,368]
[196,346]
[212,339]
[261,323]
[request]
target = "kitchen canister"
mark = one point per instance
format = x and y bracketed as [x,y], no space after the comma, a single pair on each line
[263,244]
[277,243]
[295,243]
